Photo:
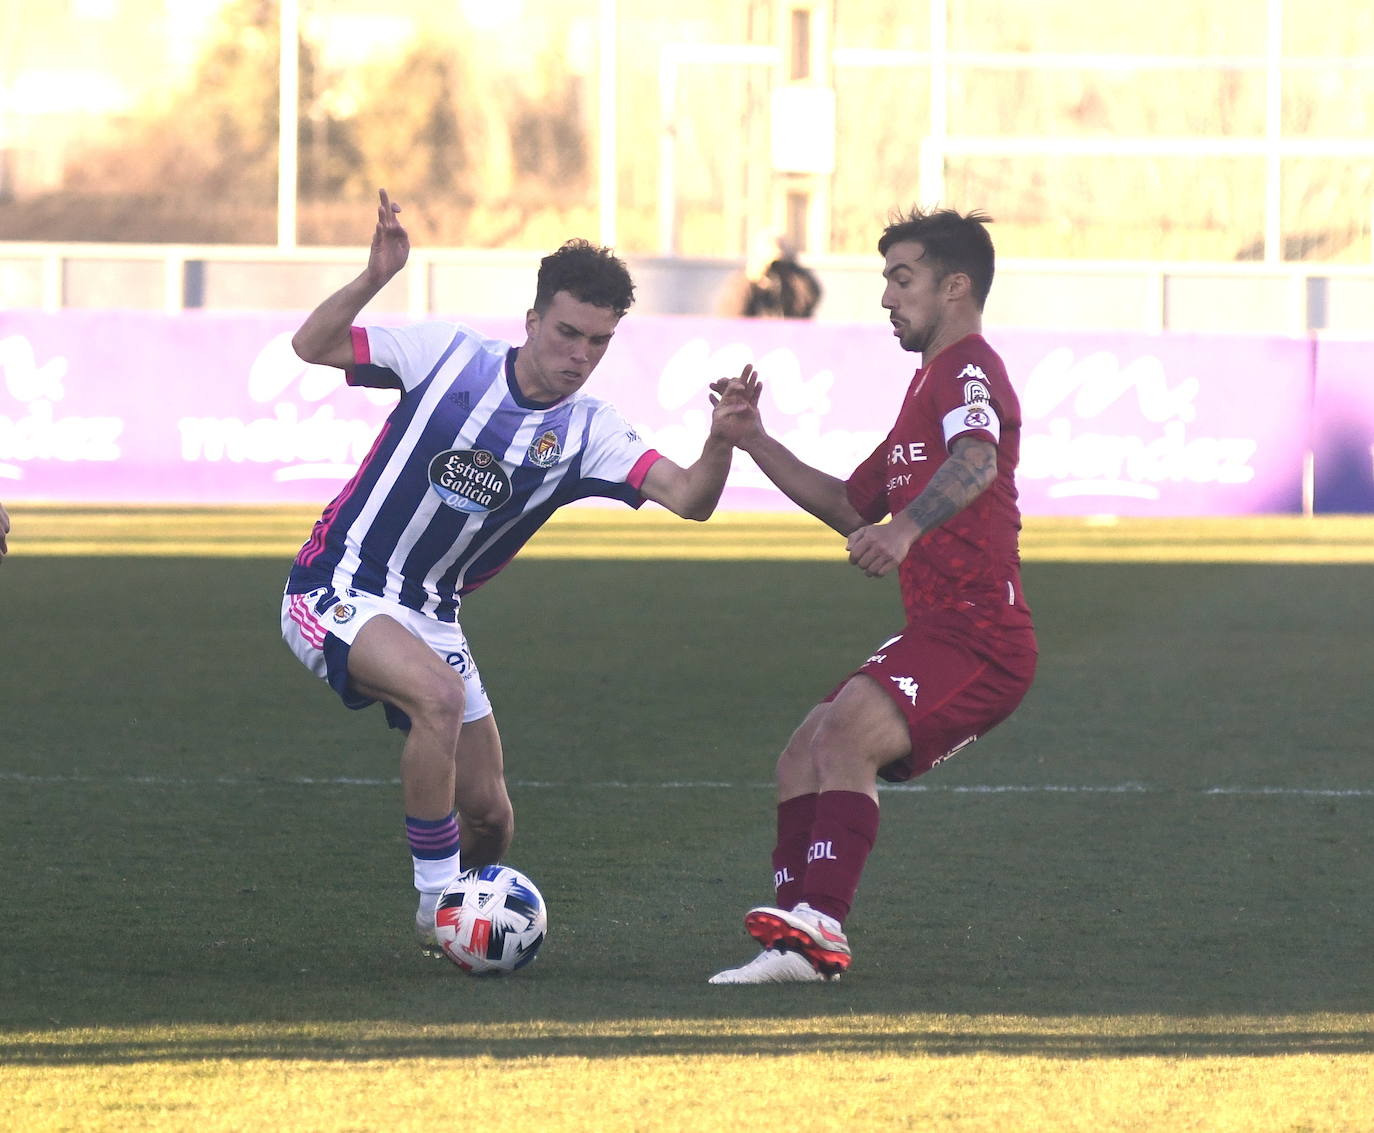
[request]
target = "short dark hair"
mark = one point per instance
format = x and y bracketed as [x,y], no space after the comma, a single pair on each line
[590,274]
[952,242]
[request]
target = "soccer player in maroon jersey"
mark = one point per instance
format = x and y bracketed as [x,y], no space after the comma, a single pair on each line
[936,502]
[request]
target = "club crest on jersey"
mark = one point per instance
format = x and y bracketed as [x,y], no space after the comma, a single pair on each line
[470,480]
[976,418]
[976,390]
[545,451]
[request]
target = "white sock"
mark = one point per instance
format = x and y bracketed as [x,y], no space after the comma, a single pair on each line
[432,875]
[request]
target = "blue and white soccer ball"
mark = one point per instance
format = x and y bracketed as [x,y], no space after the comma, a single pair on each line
[491,920]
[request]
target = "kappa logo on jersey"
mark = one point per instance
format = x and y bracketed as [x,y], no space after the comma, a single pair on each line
[545,451]
[469,480]
[908,687]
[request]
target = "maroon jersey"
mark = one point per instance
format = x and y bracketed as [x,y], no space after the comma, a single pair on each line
[970,564]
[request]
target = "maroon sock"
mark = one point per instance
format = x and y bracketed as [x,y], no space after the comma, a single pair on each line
[842,834]
[789,855]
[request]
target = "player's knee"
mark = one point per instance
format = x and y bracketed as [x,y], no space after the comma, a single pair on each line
[838,749]
[487,832]
[795,760]
[436,700]
[831,760]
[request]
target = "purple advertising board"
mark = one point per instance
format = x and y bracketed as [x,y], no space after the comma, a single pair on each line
[1343,427]
[1160,425]
[202,408]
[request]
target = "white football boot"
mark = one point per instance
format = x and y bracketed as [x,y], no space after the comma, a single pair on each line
[424,925]
[773,967]
[802,931]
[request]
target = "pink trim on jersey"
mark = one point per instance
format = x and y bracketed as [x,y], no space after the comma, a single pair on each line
[315,544]
[362,351]
[641,469]
[302,615]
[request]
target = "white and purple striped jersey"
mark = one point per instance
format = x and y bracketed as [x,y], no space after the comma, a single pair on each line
[464,471]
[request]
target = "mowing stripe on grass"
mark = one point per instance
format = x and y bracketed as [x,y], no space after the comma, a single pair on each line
[714,785]
[605,533]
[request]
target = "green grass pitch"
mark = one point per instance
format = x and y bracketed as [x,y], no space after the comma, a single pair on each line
[1143,903]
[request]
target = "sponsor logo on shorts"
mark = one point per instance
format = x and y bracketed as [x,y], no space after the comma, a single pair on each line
[470,480]
[908,687]
[344,612]
[954,750]
[879,657]
[545,451]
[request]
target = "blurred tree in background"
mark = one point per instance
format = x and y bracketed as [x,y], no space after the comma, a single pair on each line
[474,158]
[201,168]
[1140,137]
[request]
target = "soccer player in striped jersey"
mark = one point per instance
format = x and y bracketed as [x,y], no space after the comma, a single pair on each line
[485,443]
[966,655]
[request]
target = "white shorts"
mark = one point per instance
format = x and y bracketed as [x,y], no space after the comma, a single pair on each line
[321,626]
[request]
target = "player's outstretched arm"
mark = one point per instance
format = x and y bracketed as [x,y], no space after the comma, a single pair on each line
[324,338]
[821,494]
[968,472]
[694,492]
[824,496]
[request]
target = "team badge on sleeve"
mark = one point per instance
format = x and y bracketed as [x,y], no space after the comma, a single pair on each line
[980,415]
[976,387]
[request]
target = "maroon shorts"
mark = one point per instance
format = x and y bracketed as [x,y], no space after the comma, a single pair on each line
[951,687]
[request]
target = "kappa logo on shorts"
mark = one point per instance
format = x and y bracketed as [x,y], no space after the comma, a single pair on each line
[908,687]
[344,612]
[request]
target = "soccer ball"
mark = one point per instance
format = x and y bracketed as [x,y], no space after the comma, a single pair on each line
[491,920]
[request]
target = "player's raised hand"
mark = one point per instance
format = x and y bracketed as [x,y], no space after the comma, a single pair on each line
[878,549]
[390,243]
[735,401]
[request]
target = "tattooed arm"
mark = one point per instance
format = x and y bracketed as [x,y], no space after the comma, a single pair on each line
[965,475]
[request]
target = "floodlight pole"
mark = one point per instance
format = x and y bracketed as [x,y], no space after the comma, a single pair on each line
[1273,131]
[608,193]
[288,120]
